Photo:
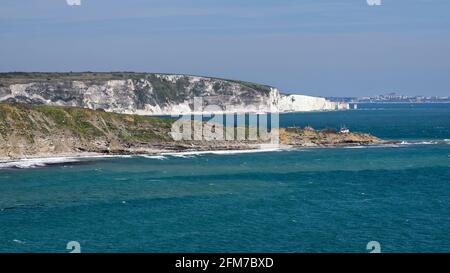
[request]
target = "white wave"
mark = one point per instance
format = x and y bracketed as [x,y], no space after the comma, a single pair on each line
[428,142]
[45,161]
[159,157]
[389,145]
[220,152]
[373,146]
[246,151]
[107,156]
[36,162]
[183,155]
[417,143]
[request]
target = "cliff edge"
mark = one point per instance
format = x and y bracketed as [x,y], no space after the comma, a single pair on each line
[46,131]
[152,93]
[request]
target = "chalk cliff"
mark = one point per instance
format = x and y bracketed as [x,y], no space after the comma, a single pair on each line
[152,94]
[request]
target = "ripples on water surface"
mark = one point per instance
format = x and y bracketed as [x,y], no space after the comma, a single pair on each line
[319,200]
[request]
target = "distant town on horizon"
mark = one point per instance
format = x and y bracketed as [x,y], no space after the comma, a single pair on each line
[393,97]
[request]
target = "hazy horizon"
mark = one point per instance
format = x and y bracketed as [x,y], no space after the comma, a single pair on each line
[321,48]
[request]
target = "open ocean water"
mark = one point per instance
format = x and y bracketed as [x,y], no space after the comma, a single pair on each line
[301,200]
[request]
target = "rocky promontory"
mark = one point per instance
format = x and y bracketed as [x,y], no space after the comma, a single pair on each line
[42,131]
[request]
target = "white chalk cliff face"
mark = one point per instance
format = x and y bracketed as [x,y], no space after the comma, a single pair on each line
[153,94]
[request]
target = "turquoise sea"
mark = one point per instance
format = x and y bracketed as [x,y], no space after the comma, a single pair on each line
[301,200]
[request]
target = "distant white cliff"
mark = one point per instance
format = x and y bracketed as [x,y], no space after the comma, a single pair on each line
[153,94]
[295,103]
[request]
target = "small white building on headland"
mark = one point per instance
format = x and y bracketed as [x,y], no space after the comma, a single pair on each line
[344,130]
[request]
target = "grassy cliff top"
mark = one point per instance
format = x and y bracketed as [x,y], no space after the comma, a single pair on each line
[26,77]
[35,130]
[31,120]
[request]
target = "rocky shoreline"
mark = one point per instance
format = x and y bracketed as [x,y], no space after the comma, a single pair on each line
[177,148]
[31,131]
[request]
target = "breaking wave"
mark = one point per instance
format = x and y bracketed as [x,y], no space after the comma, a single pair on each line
[373,146]
[402,144]
[220,152]
[426,142]
[159,157]
[36,162]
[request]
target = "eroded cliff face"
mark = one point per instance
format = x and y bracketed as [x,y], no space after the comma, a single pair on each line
[152,94]
[47,131]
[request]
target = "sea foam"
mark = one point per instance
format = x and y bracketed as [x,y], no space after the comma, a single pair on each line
[426,142]
[373,146]
[159,157]
[36,162]
[220,152]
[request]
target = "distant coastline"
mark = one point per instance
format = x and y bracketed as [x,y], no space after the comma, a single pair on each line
[392,98]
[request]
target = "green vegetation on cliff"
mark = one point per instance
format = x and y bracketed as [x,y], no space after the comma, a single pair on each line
[128,92]
[41,130]
[26,77]
[40,120]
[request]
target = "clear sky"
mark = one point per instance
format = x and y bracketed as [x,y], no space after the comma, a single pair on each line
[316,47]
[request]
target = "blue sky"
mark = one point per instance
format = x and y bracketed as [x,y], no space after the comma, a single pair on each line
[324,48]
